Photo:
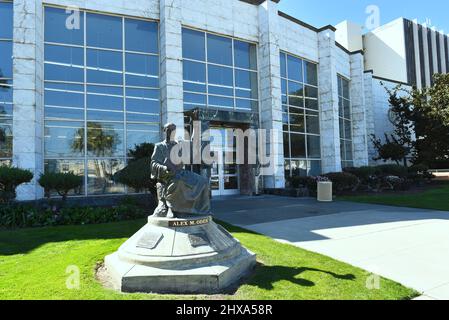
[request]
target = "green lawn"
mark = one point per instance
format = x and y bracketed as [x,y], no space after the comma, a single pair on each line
[437,199]
[33,265]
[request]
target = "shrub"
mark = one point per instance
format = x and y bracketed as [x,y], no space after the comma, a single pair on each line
[419,173]
[25,216]
[137,175]
[342,181]
[306,182]
[10,179]
[365,174]
[141,151]
[392,149]
[391,170]
[62,183]
[297,182]
[396,183]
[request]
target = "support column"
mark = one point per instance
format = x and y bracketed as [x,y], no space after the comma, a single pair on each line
[170,36]
[270,89]
[328,92]
[28,70]
[358,115]
[369,114]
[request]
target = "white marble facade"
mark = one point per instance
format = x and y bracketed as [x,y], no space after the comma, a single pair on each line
[256,23]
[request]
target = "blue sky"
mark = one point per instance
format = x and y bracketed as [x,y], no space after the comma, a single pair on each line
[323,12]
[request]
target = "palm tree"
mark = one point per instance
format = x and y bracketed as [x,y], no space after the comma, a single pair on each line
[102,141]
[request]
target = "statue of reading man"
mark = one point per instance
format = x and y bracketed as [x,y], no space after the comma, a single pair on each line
[179,191]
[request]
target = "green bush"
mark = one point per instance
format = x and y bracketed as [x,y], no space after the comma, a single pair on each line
[141,151]
[137,174]
[25,216]
[297,182]
[419,173]
[392,170]
[10,179]
[363,173]
[342,181]
[62,183]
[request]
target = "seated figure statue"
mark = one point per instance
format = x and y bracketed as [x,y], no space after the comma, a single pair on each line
[179,191]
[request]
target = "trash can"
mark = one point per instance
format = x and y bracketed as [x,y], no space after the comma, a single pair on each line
[324,191]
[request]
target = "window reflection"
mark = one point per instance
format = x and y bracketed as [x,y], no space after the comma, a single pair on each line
[67,166]
[55,30]
[64,139]
[5,138]
[6,83]
[219,50]
[100,176]
[229,77]
[90,123]
[344,112]
[135,31]
[193,45]
[301,123]
[6,59]
[104,31]
[103,139]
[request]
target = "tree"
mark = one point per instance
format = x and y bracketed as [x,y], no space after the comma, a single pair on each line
[137,174]
[392,149]
[10,179]
[62,183]
[102,141]
[399,144]
[424,112]
[430,116]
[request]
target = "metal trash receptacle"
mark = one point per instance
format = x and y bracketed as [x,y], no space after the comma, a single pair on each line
[324,192]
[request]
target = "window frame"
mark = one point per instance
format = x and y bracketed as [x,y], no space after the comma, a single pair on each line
[7,120]
[234,69]
[345,162]
[303,110]
[86,158]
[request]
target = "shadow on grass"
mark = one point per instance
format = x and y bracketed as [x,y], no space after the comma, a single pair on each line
[266,276]
[22,241]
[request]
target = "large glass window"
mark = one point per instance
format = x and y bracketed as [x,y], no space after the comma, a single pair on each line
[101,95]
[219,72]
[344,114]
[300,116]
[6,81]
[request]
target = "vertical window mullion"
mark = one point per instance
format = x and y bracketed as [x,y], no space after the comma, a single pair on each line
[125,124]
[288,115]
[86,169]
[233,77]
[206,62]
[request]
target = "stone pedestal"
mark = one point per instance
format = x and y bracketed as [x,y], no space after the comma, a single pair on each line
[188,255]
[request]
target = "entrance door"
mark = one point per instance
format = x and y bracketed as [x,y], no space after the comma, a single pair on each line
[225,175]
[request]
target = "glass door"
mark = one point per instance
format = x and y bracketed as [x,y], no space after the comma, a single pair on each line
[224,175]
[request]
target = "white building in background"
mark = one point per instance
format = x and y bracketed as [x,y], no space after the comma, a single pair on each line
[80,88]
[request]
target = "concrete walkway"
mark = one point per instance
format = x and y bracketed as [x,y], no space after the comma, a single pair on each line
[410,246]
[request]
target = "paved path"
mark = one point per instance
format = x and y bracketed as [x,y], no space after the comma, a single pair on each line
[410,246]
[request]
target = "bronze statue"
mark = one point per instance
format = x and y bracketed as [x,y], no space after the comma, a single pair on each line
[179,191]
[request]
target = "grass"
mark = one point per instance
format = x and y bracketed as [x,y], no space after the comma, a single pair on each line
[33,265]
[436,199]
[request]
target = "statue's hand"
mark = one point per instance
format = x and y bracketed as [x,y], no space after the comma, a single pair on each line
[168,173]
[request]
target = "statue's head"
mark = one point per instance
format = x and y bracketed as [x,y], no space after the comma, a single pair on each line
[169,130]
